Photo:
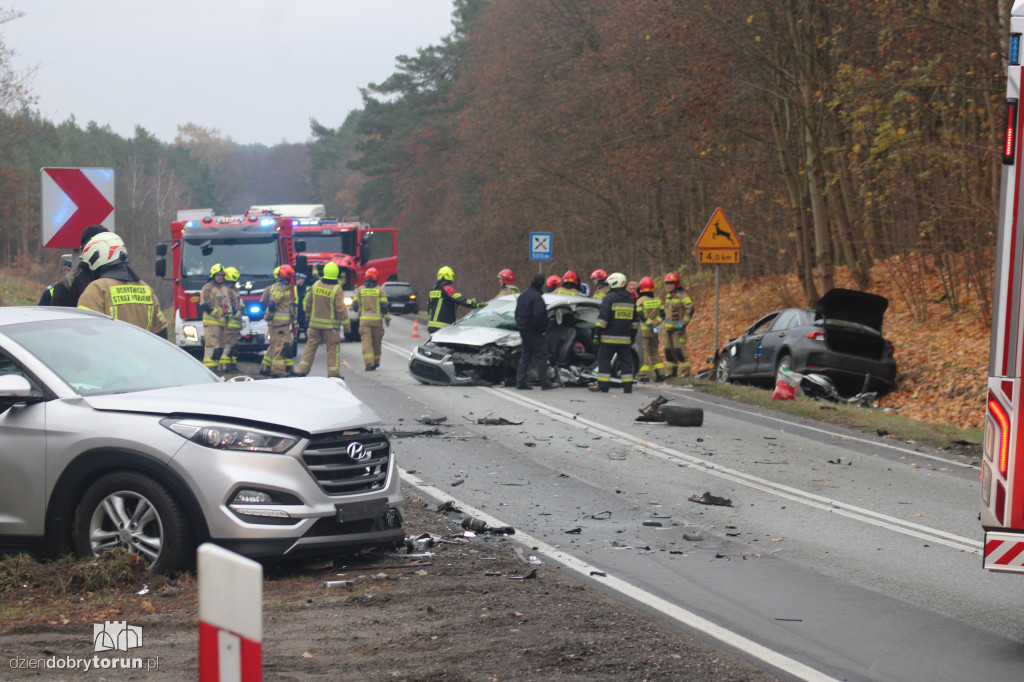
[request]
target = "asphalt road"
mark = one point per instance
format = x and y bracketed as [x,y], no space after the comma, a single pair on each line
[843,557]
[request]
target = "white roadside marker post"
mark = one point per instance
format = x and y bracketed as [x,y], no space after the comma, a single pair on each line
[230,616]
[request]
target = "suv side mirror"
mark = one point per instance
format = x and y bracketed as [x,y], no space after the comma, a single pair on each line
[15,389]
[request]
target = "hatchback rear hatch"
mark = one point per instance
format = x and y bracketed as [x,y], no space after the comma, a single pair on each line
[853,322]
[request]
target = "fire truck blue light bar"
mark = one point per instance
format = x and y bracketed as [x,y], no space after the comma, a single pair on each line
[1010,140]
[1014,49]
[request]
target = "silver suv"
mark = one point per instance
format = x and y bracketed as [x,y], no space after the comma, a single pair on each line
[112,437]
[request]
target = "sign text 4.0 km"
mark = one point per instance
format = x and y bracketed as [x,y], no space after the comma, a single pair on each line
[716,257]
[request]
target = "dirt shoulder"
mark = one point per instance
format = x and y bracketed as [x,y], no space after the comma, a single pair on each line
[459,609]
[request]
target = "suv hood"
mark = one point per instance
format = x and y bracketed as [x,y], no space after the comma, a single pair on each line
[471,336]
[309,404]
[853,306]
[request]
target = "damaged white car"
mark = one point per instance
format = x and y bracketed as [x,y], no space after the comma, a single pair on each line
[483,347]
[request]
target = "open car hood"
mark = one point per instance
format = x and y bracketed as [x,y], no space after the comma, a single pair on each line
[470,336]
[309,404]
[853,306]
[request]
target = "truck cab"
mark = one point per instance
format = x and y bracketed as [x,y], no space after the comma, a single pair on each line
[255,243]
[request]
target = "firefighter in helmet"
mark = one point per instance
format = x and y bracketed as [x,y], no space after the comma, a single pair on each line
[233,326]
[327,314]
[552,283]
[443,301]
[280,314]
[570,284]
[117,290]
[508,283]
[600,287]
[215,304]
[372,304]
[652,314]
[678,313]
[617,324]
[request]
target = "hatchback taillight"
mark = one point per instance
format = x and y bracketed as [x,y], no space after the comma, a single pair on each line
[816,335]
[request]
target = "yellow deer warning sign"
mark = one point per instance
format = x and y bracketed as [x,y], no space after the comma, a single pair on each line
[718,243]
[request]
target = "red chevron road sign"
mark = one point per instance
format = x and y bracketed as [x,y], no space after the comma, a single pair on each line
[73,199]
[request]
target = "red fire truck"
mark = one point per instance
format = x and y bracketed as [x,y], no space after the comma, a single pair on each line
[1002,466]
[325,239]
[255,243]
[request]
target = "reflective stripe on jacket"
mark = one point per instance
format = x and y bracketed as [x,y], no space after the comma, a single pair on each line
[618,319]
[132,302]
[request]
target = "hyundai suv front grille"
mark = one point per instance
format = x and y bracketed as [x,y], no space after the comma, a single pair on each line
[348,462]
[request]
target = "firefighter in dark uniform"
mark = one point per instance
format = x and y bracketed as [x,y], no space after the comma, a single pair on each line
[617,324]
[117,290]
[66,264]
[652,314]
[443,301]
[508,283]
[678,313]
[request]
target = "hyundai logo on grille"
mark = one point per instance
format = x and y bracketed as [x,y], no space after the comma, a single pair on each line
[356,451]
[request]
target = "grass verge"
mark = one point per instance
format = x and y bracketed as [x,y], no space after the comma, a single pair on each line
[874,421]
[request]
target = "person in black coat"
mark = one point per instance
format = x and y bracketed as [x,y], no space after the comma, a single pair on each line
[532,323]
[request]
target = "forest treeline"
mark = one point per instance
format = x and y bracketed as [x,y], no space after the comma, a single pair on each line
[833,135]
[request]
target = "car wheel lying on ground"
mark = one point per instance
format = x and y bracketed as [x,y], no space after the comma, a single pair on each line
[115,438]
[842,339]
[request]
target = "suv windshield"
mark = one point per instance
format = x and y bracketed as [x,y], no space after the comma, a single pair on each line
[98,355]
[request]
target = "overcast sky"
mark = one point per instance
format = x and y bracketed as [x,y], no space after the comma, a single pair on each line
[258,70]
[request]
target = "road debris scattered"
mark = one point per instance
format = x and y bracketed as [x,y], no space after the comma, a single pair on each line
[652,414]
[708,498]
[492,421]
[529,576]
[432,421]
[480,526]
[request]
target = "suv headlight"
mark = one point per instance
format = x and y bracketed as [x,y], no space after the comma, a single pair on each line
[230,436]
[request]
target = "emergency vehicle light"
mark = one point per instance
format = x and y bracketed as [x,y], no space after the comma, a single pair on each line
[267,222]
[254,309]
[1014,49]
[1010,139]
[190,223]
[995,408]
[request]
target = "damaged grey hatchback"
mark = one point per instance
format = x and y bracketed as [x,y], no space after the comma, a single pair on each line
[841,339]
[112,437]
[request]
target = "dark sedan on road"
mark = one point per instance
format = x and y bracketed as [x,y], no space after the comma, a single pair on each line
[401,297]
[841,339]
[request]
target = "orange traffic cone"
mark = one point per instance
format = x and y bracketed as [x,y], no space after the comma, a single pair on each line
[415,329]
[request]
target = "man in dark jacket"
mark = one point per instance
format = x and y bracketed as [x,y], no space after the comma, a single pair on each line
[532,323]
[67,291]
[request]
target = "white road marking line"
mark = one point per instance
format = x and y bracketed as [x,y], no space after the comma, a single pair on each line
[673,611]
